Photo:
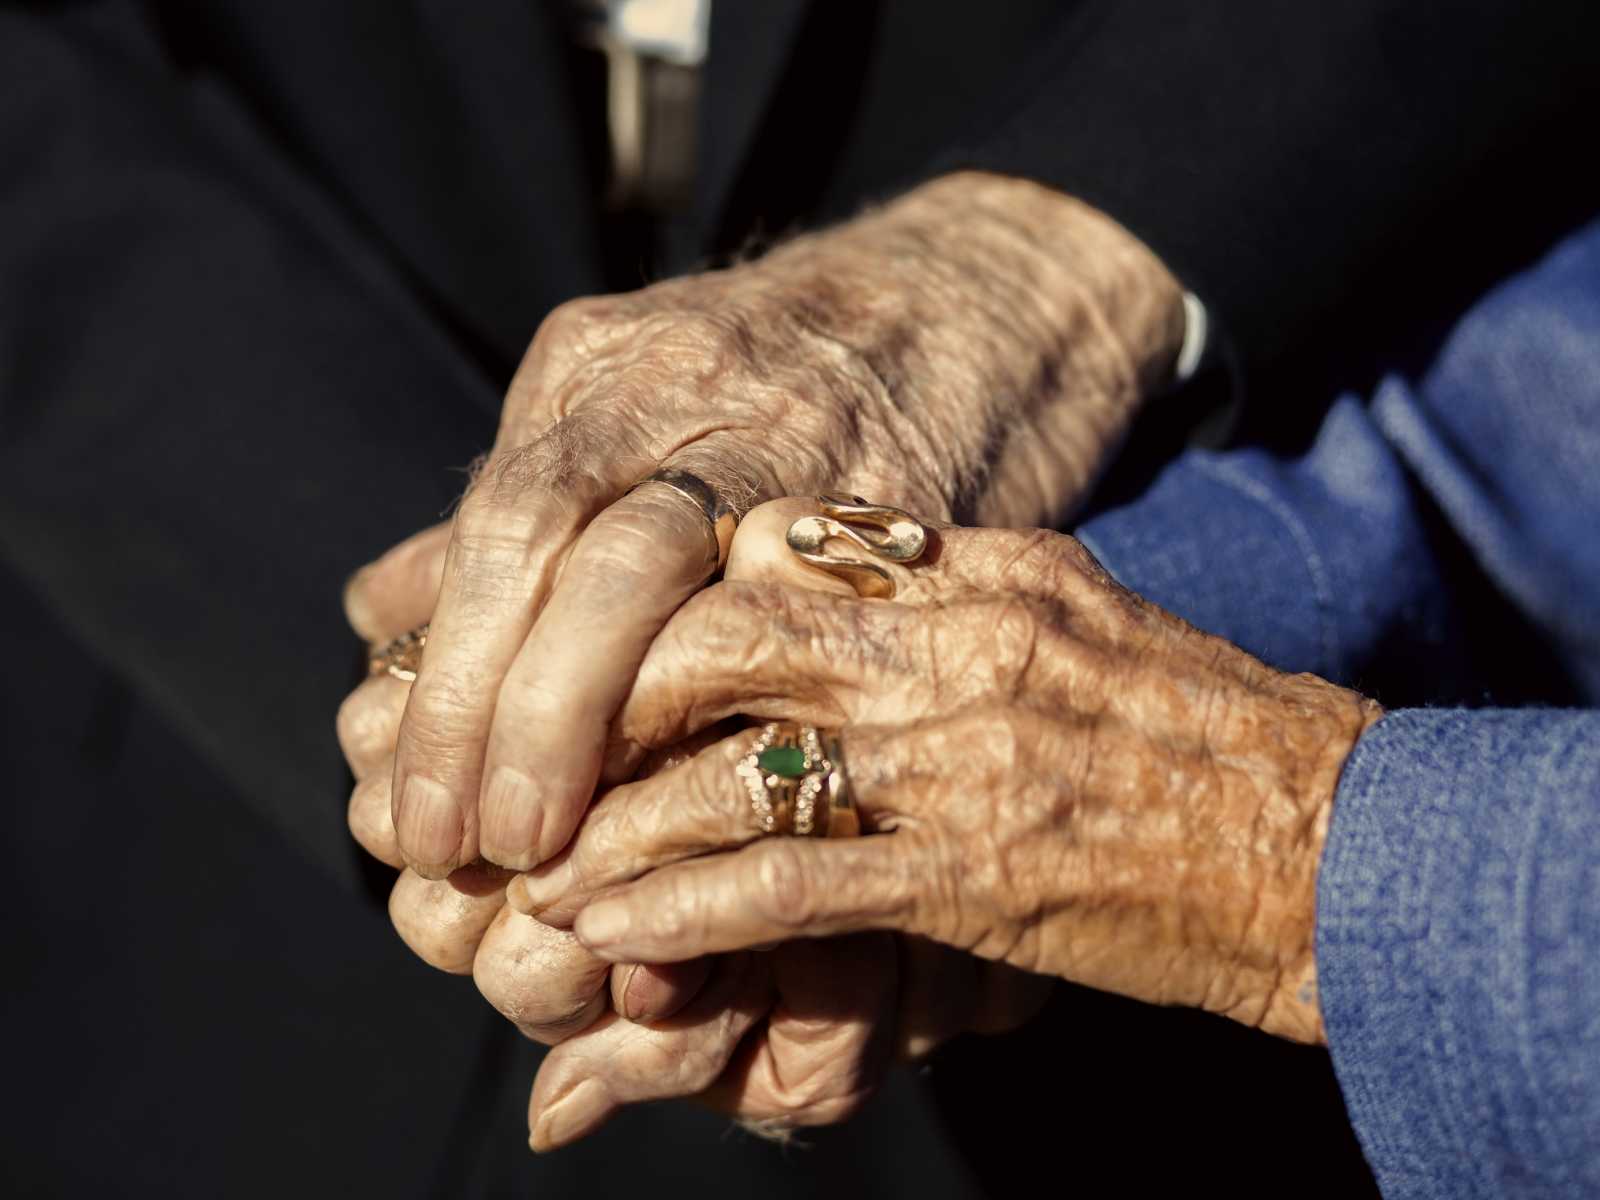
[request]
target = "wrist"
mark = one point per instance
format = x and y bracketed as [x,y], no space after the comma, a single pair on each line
[1294,1009]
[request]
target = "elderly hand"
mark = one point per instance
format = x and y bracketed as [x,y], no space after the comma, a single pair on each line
[1064,777]
[826,1016]
[539,978]
[975,348]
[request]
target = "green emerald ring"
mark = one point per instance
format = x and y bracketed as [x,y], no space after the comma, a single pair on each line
[791,780]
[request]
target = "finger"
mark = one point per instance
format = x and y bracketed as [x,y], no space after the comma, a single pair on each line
[509,538]
[939,995]
[630,570]
[654,992]
[540,979]
[397,592]
[775,890]
[827,1039]
[773,652]
[697,807]
[761,554]
[370,822]
[368,721]
[444,920]
[583,1081]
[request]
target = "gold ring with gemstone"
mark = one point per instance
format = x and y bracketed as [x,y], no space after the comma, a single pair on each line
[400,657]
[886,533]
[796,782]
[721,517]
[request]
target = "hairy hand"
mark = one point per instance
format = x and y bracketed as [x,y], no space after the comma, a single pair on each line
[975,349]
[1064,777]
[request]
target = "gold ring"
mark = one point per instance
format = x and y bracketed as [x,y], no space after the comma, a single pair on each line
[797,784]
[886,533]
[400,657]
[721,517]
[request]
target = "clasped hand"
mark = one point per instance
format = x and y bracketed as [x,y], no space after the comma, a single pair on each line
[1062,780]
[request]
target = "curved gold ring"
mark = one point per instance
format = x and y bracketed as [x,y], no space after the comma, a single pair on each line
[401,657]
[721,517]
[886,533]
[795,778]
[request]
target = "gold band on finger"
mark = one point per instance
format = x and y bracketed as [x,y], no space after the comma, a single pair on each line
[886,533]
[721,517]
[401,657]
[839,817]
[795,780]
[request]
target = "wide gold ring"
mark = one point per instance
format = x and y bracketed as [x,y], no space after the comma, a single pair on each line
[885,533]
[795,778]
[401,657]
[722,519]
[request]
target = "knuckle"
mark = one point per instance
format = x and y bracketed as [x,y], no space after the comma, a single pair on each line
[577,321]
[680,917]
[713,795]
[780,887]
[1001,736]
[443,720]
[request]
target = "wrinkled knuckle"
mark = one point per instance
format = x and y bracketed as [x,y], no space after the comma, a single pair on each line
[714,794]
[731,619]
[680,916]
[780,887]
[1000,734]
[442,719]
[581,326]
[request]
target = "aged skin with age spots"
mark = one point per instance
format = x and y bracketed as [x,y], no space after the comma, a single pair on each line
[975,348]
[831,1013]
[1079,784]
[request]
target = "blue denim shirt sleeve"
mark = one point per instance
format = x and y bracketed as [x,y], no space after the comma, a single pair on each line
[1458,951]
[1281,557]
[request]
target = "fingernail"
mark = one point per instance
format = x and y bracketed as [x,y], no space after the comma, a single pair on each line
[430,823]
[602,923]
[630,1003]
[541,888]
[570,1117]
[512,819]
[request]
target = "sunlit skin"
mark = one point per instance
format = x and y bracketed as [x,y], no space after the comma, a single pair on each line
[974,349]
[1064,778]
[835,1013]
[1062,781]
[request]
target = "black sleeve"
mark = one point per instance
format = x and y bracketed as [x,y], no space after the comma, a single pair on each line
[213,404]
[1316,169]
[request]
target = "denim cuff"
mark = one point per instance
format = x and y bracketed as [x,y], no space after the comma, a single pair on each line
[1458,951]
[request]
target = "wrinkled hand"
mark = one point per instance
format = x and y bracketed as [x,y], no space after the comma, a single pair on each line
[1071,780]
[539,978]
[827,1017]
[975,348]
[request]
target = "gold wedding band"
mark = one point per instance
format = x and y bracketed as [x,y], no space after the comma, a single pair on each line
[795,778]
[721,517]
[886,533]
[401,657]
